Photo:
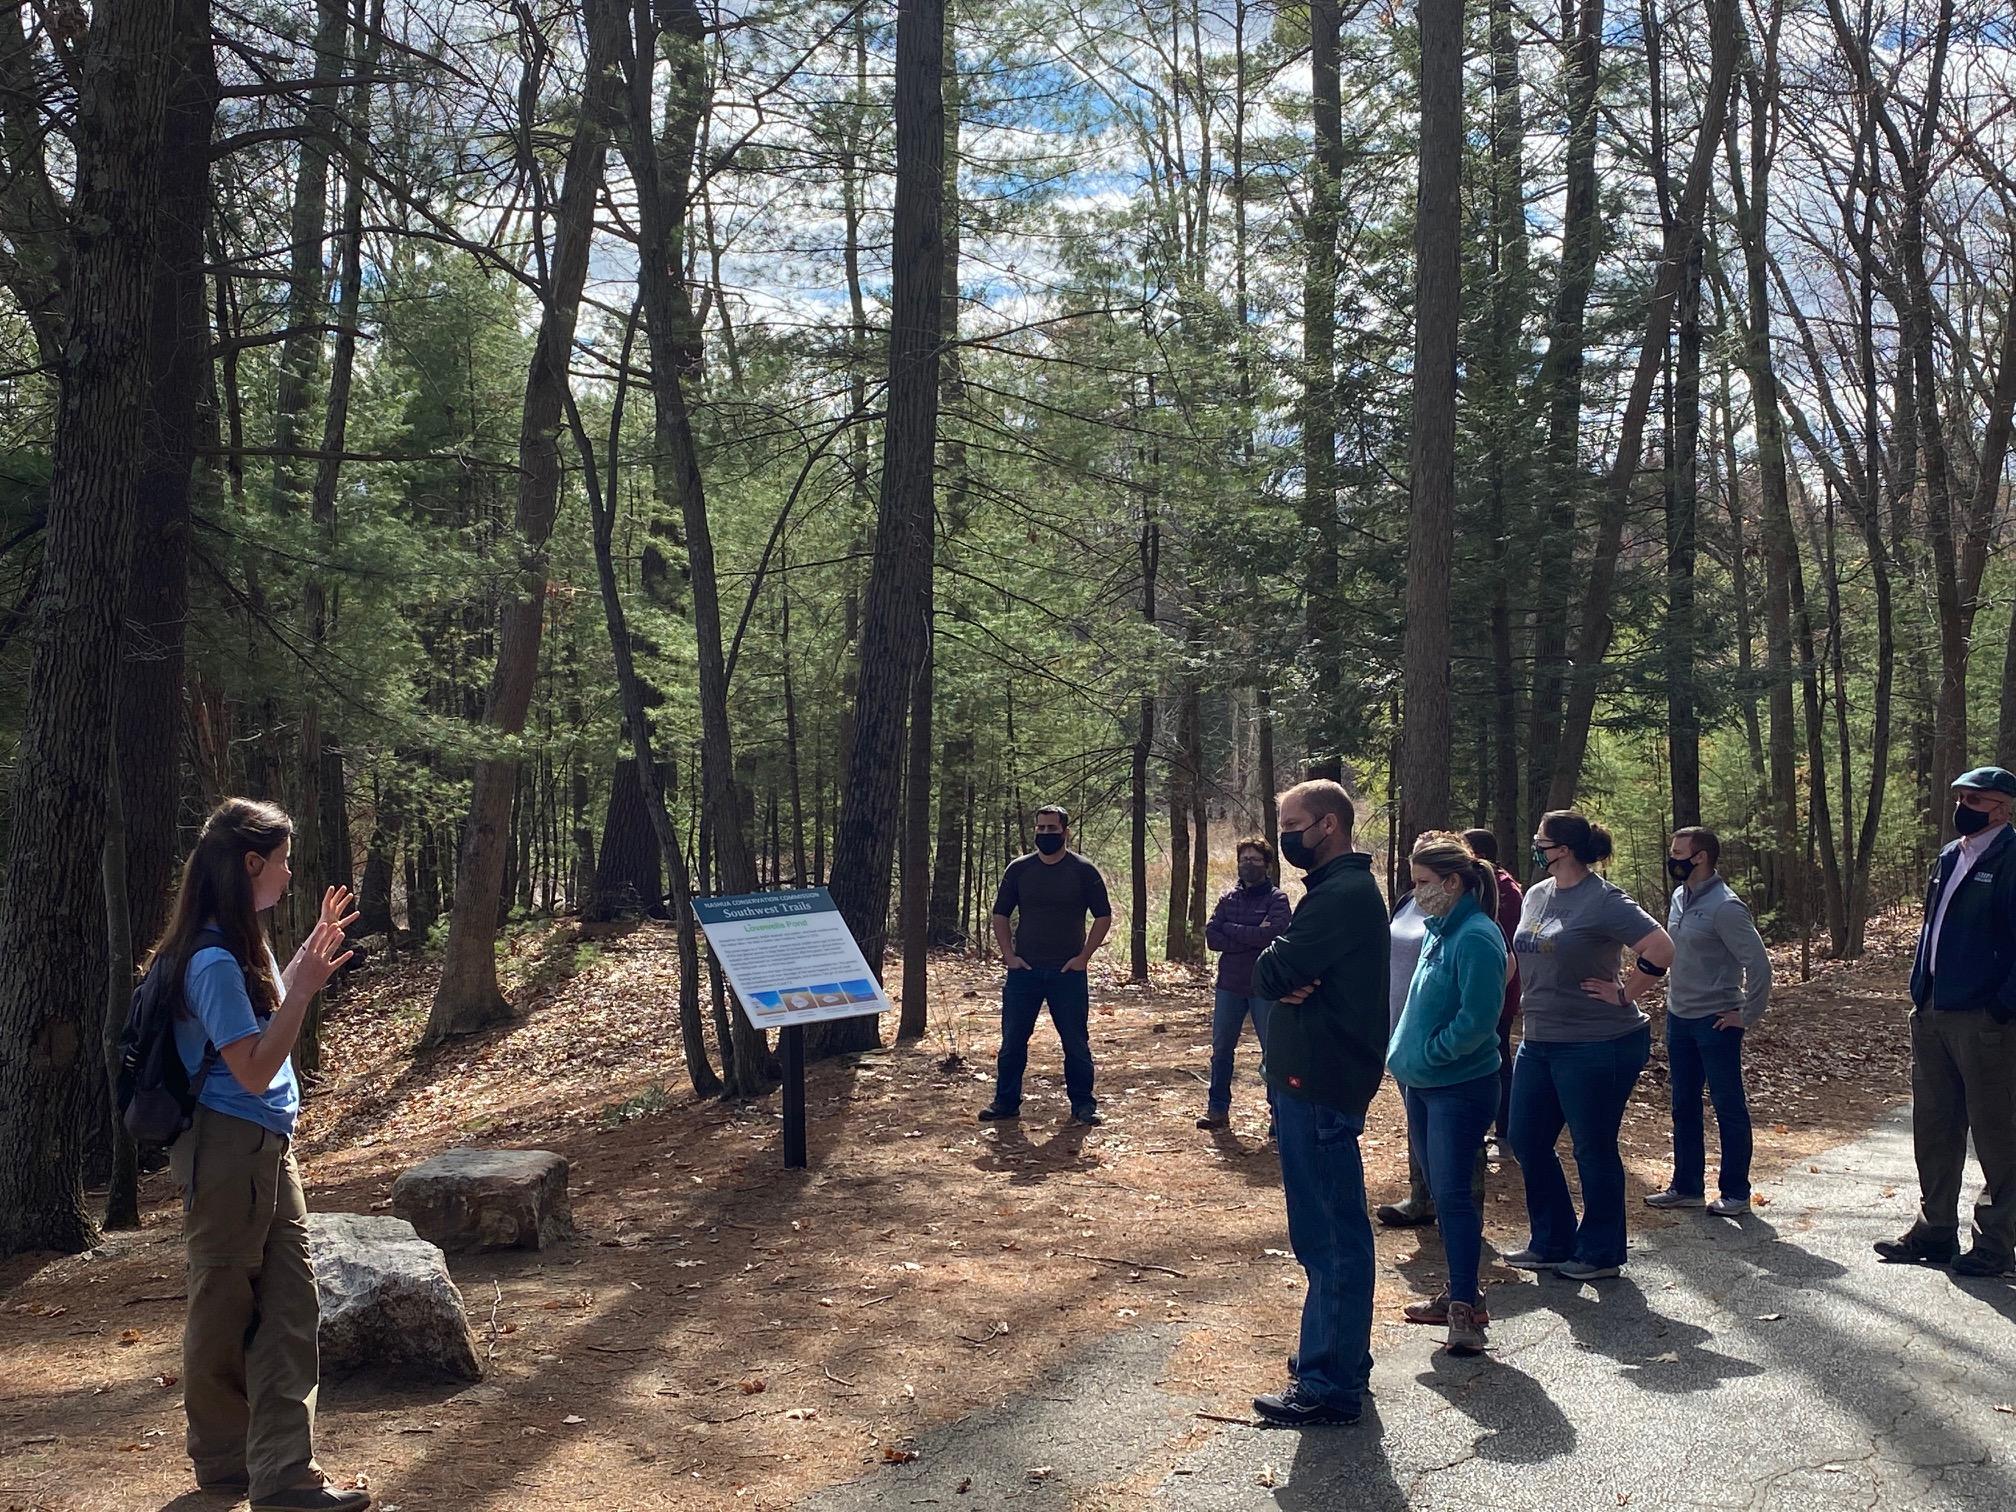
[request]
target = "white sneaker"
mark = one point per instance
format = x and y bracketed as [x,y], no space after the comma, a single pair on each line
[1728,1207]
[1671,1199]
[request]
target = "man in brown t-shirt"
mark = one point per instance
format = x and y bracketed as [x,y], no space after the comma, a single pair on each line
[1051,892]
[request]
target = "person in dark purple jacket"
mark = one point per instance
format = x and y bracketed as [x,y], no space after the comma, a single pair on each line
[1242,925]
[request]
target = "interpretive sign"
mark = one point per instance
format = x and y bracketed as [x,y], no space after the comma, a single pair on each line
[792,961]
[789,957]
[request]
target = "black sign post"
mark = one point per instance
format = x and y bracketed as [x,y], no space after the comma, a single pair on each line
[791,1044]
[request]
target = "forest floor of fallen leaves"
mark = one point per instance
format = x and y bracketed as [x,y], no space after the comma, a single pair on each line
[726,1333]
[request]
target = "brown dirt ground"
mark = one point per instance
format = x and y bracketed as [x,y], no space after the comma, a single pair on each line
[724,1333]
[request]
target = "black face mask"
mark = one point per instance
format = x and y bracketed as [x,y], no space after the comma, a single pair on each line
[1049,843]
[1679,870]
[1969,821]
[1252,873]
[1295,850]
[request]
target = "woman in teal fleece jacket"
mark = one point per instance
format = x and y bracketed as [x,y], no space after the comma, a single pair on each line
[1444,1055]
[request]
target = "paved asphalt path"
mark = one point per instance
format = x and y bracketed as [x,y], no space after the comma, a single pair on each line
[1772,1364]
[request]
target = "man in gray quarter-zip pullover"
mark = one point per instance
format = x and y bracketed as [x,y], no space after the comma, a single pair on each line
[1717,990]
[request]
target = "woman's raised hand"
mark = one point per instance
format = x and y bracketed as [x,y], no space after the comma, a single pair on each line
[338,908]
[319,959]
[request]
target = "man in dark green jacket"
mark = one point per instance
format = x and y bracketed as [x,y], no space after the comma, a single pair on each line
[1325,1054]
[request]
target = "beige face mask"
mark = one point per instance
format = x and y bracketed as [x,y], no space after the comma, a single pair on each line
[1437,901]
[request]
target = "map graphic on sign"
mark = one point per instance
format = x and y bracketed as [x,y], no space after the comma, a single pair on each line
[789,957]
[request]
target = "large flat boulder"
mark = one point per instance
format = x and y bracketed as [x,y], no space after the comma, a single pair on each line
[387,1299]
[487,1199]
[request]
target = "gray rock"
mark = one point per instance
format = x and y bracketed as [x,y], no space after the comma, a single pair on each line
[487,1199]
[387,1299]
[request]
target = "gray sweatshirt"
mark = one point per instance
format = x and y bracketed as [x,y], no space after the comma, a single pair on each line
[1720,964]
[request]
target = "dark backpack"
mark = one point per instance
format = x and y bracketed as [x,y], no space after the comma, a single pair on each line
[157,1096]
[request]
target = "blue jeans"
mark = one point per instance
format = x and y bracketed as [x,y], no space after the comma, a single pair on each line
[1699,1054]
[1228,1018]
[1023,994]
[1445,1128]
[1583,1086]
[1323,1179]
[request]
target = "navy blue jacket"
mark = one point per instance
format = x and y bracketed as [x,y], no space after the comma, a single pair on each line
[1976,969]
[1243,924]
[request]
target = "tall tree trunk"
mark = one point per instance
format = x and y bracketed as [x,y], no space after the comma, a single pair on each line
[955,758]
[468,998]
[636,719]
[1683,742]
[1200,816]
[1144,740]
[1790,627]
[300,365]
[149,92]
[1506,424]
[1321,609]
[1432,451]
[1176,936]
[896,623]
[1593,638]
[660,159]
[1560,388]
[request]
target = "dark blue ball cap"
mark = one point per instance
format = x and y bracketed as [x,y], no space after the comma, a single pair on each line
[1989,780]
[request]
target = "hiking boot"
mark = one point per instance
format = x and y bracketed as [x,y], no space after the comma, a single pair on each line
[993,1114]
[1291,1409]
[1215,1121]
[1436,1312]
[1466,1329]
[1672,1199]
[1980,1262]
[1575,1270]
[1406,1214]
[1531,1259]
[1918,1248]
[1086,1117]
[323,1498]
[1730,1207]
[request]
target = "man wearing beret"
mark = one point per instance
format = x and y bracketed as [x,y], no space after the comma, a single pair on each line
[1963,1037]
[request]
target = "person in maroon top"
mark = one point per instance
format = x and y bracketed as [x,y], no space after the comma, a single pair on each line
[1510,897]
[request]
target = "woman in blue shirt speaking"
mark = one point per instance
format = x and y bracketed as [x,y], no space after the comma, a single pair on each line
[249,1364]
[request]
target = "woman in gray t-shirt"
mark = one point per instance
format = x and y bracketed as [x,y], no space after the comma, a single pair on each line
[1584,1044]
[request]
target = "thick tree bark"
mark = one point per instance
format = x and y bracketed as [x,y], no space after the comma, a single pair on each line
[149,84]
[911,1021]
[627,878]
[1432,451]
[122,1187]
[468,999]
[896,625]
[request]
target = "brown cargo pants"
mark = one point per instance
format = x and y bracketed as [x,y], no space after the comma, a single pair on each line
[1963,1081]
[249,1362]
